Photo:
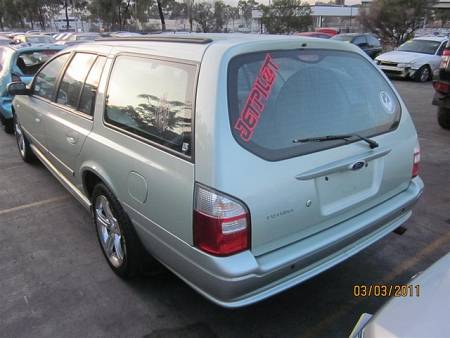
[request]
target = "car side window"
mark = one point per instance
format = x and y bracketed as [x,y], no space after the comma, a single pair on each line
[359,40]
[373,41]
[152,99]
[89,91]
[73,79]
[45,81]
[441,49]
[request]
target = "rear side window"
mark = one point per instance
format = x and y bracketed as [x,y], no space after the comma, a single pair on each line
[373,41]
[359,40]
[45,80]
[276,97]
[152,99]
[72,82]
[89,92]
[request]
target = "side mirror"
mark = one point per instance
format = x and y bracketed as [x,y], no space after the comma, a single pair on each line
[17,88]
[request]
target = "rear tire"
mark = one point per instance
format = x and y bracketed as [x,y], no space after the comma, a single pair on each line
[115,233]
[444,118]
[23,144]
[423,74]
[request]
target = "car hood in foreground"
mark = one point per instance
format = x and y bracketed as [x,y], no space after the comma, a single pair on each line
[423,315]
[402,57]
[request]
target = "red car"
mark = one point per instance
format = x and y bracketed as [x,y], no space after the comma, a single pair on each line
[315,35]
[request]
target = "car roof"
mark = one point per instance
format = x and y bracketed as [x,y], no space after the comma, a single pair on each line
[26,47]
[192,46]
[353,34]
[432,38]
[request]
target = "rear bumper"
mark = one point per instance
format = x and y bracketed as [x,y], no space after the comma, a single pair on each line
[244,279]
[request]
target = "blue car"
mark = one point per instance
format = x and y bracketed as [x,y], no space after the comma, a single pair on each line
[20,63]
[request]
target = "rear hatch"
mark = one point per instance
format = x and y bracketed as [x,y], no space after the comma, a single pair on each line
[296,187]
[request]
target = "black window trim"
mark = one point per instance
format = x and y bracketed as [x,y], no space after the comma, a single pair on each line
[84,84]
[189,158]
[324,147]
[59,79]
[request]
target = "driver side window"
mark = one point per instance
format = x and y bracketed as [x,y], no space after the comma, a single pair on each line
[45,81]
[441,49]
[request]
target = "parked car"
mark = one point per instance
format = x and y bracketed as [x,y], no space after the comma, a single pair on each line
[19,63]
[416,59]
[243,163]
[315,35]
[441,84]
[328,30]
[4,41]
[418,309]
[33,38]
[367,42]
[76,38]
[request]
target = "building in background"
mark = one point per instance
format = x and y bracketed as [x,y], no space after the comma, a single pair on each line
[343,18]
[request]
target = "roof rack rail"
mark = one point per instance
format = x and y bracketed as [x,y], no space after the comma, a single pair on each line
[179,39]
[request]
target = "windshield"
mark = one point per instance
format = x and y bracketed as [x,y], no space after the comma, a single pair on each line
[278,96]
[420,46]
[343,37]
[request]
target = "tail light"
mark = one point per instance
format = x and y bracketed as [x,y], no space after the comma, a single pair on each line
[15,78]
[416,161]
[441,87]
[445,58]
[221,223]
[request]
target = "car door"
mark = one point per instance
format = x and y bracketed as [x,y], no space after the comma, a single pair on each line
[32,108]
[70,119]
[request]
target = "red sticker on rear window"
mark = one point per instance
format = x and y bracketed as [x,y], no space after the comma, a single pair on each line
[256,101]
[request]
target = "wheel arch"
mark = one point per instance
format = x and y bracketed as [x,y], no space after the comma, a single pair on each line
[92,174]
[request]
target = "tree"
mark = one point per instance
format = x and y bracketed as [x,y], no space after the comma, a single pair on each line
[395,21]
[204,16]
[220,15]
[190,12]
[161,16]
[286,16]
[246,7]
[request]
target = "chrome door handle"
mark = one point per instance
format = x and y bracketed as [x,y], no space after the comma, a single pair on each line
[37,120]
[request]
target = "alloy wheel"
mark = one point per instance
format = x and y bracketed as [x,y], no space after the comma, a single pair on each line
[110,234]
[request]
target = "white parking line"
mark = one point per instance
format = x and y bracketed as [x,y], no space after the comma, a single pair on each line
[34,204]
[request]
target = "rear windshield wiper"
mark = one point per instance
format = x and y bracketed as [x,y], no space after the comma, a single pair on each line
[371,143]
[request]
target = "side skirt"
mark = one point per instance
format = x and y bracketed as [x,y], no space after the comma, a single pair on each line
[63,180]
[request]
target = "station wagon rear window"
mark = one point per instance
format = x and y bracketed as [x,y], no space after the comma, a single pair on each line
[277,97]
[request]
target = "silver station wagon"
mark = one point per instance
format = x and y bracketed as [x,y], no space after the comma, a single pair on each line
[245,164]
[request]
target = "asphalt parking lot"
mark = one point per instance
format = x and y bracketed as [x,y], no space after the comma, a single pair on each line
[54,281]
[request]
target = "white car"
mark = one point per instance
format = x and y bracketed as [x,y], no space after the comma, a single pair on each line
[417,310]
[416,59]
